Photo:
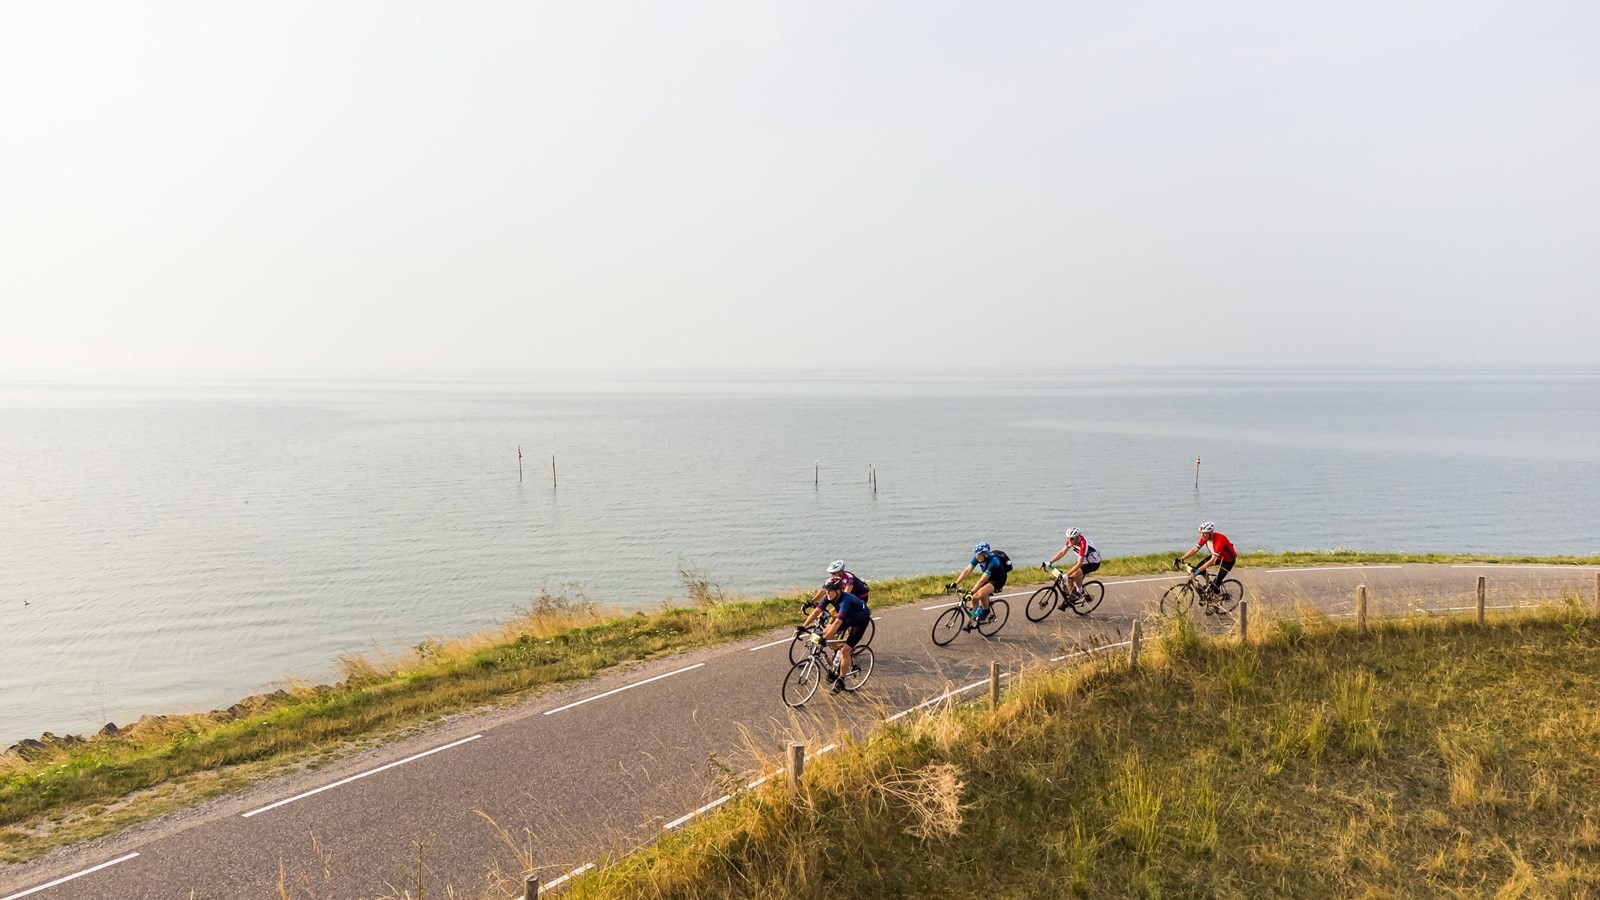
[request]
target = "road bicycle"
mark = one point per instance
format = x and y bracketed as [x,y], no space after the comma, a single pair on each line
[797,647]
[1057,595]
[965,617]
[1198,589]
[806,675]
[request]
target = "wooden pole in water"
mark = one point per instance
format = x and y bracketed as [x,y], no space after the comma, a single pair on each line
[1481,584]
[519,464]
[552,470]
[816,475]
[1361,610]
[1197,473]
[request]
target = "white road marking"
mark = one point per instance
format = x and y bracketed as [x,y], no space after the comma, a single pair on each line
[626,687]
[1525,566]
[941,606]
[1089,651]
[826,749]
[773,644]
[544,886]
[67,878]
[398,762]
[1328,568]
[704,809]
[944,696]
[1144,580]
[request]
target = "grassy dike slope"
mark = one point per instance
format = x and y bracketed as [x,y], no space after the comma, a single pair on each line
[1432,758]
[70,790]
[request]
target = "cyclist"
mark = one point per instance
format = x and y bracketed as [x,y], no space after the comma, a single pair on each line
[1088,558]
[852,584]
[993,565]
[1222,553]
[850,613]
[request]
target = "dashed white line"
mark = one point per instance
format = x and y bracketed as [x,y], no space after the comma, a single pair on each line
[626,687]
[1329,568]
[567,877]
[67,878]
[704,809]
[1145,580]
[941,606]
[1574,568]
[1089,651]
[773,644]
[944,696]
[398,762]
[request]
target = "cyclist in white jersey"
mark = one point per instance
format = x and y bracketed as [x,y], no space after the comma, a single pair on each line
[1088,558]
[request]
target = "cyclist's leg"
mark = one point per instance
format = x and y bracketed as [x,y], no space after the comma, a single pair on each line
[1075,576]
[1223,568]
[980,597]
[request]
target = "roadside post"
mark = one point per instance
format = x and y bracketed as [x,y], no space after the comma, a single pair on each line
[530,889]
[1133,644]
[795,767]
[1361,610]
[1481,583]
[1244,621]
[994,685]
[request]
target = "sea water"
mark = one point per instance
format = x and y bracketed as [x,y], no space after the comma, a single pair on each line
[174,546]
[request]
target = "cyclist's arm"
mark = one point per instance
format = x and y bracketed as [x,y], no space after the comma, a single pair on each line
[832,629]
[1059,553]
[964,573]
[1192,551]
[812,618]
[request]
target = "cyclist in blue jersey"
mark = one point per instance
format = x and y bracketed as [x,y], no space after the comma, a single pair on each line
[993,566]
[851,614]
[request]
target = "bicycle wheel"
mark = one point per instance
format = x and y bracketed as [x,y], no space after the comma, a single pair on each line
[801,682]
[799,649]
[1042,603]
[866,636]
[1093,593]
[948,625]
[995,619]
[861,660]
[1229,595]
[1178,599]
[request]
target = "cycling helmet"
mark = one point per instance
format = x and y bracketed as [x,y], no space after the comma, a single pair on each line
[981,548]
[1207,527]
[1073,533]
[833,584]
[836,567]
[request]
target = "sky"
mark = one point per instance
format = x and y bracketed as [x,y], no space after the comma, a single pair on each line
[283,187]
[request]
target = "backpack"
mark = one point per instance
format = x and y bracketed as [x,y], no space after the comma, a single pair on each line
[1004,559]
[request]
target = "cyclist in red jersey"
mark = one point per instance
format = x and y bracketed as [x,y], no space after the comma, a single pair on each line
[1222,552]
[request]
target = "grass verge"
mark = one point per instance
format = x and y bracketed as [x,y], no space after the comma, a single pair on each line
[67,790]
[1432,758]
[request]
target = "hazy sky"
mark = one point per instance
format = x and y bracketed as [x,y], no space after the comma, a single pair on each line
[285,186]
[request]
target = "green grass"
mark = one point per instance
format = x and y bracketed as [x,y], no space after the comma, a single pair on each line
[71,792]
[1432,759]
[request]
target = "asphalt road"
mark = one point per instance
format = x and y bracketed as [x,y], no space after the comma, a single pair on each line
[610,763]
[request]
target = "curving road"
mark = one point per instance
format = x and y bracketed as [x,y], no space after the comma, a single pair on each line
[608,764]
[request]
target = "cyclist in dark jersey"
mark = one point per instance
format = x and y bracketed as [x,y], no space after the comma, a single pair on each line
[851,614]
[852,584]
[1222,553]
[984,560]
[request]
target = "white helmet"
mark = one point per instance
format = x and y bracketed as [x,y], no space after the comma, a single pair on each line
[1073,533]
[1207,527]
[836,567]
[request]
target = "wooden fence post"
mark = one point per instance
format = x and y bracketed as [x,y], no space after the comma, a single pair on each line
[994,685]
[1244,620]
[796,765]
[530,888]
[1133,644]
[1361,610]
[1481,583]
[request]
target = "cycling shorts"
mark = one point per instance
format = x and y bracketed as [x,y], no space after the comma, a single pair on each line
[999,583]
[1090,567]
[854,633]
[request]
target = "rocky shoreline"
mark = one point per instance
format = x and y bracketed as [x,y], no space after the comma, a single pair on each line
[47,744]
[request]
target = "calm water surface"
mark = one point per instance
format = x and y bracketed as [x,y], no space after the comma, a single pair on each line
[171,547]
